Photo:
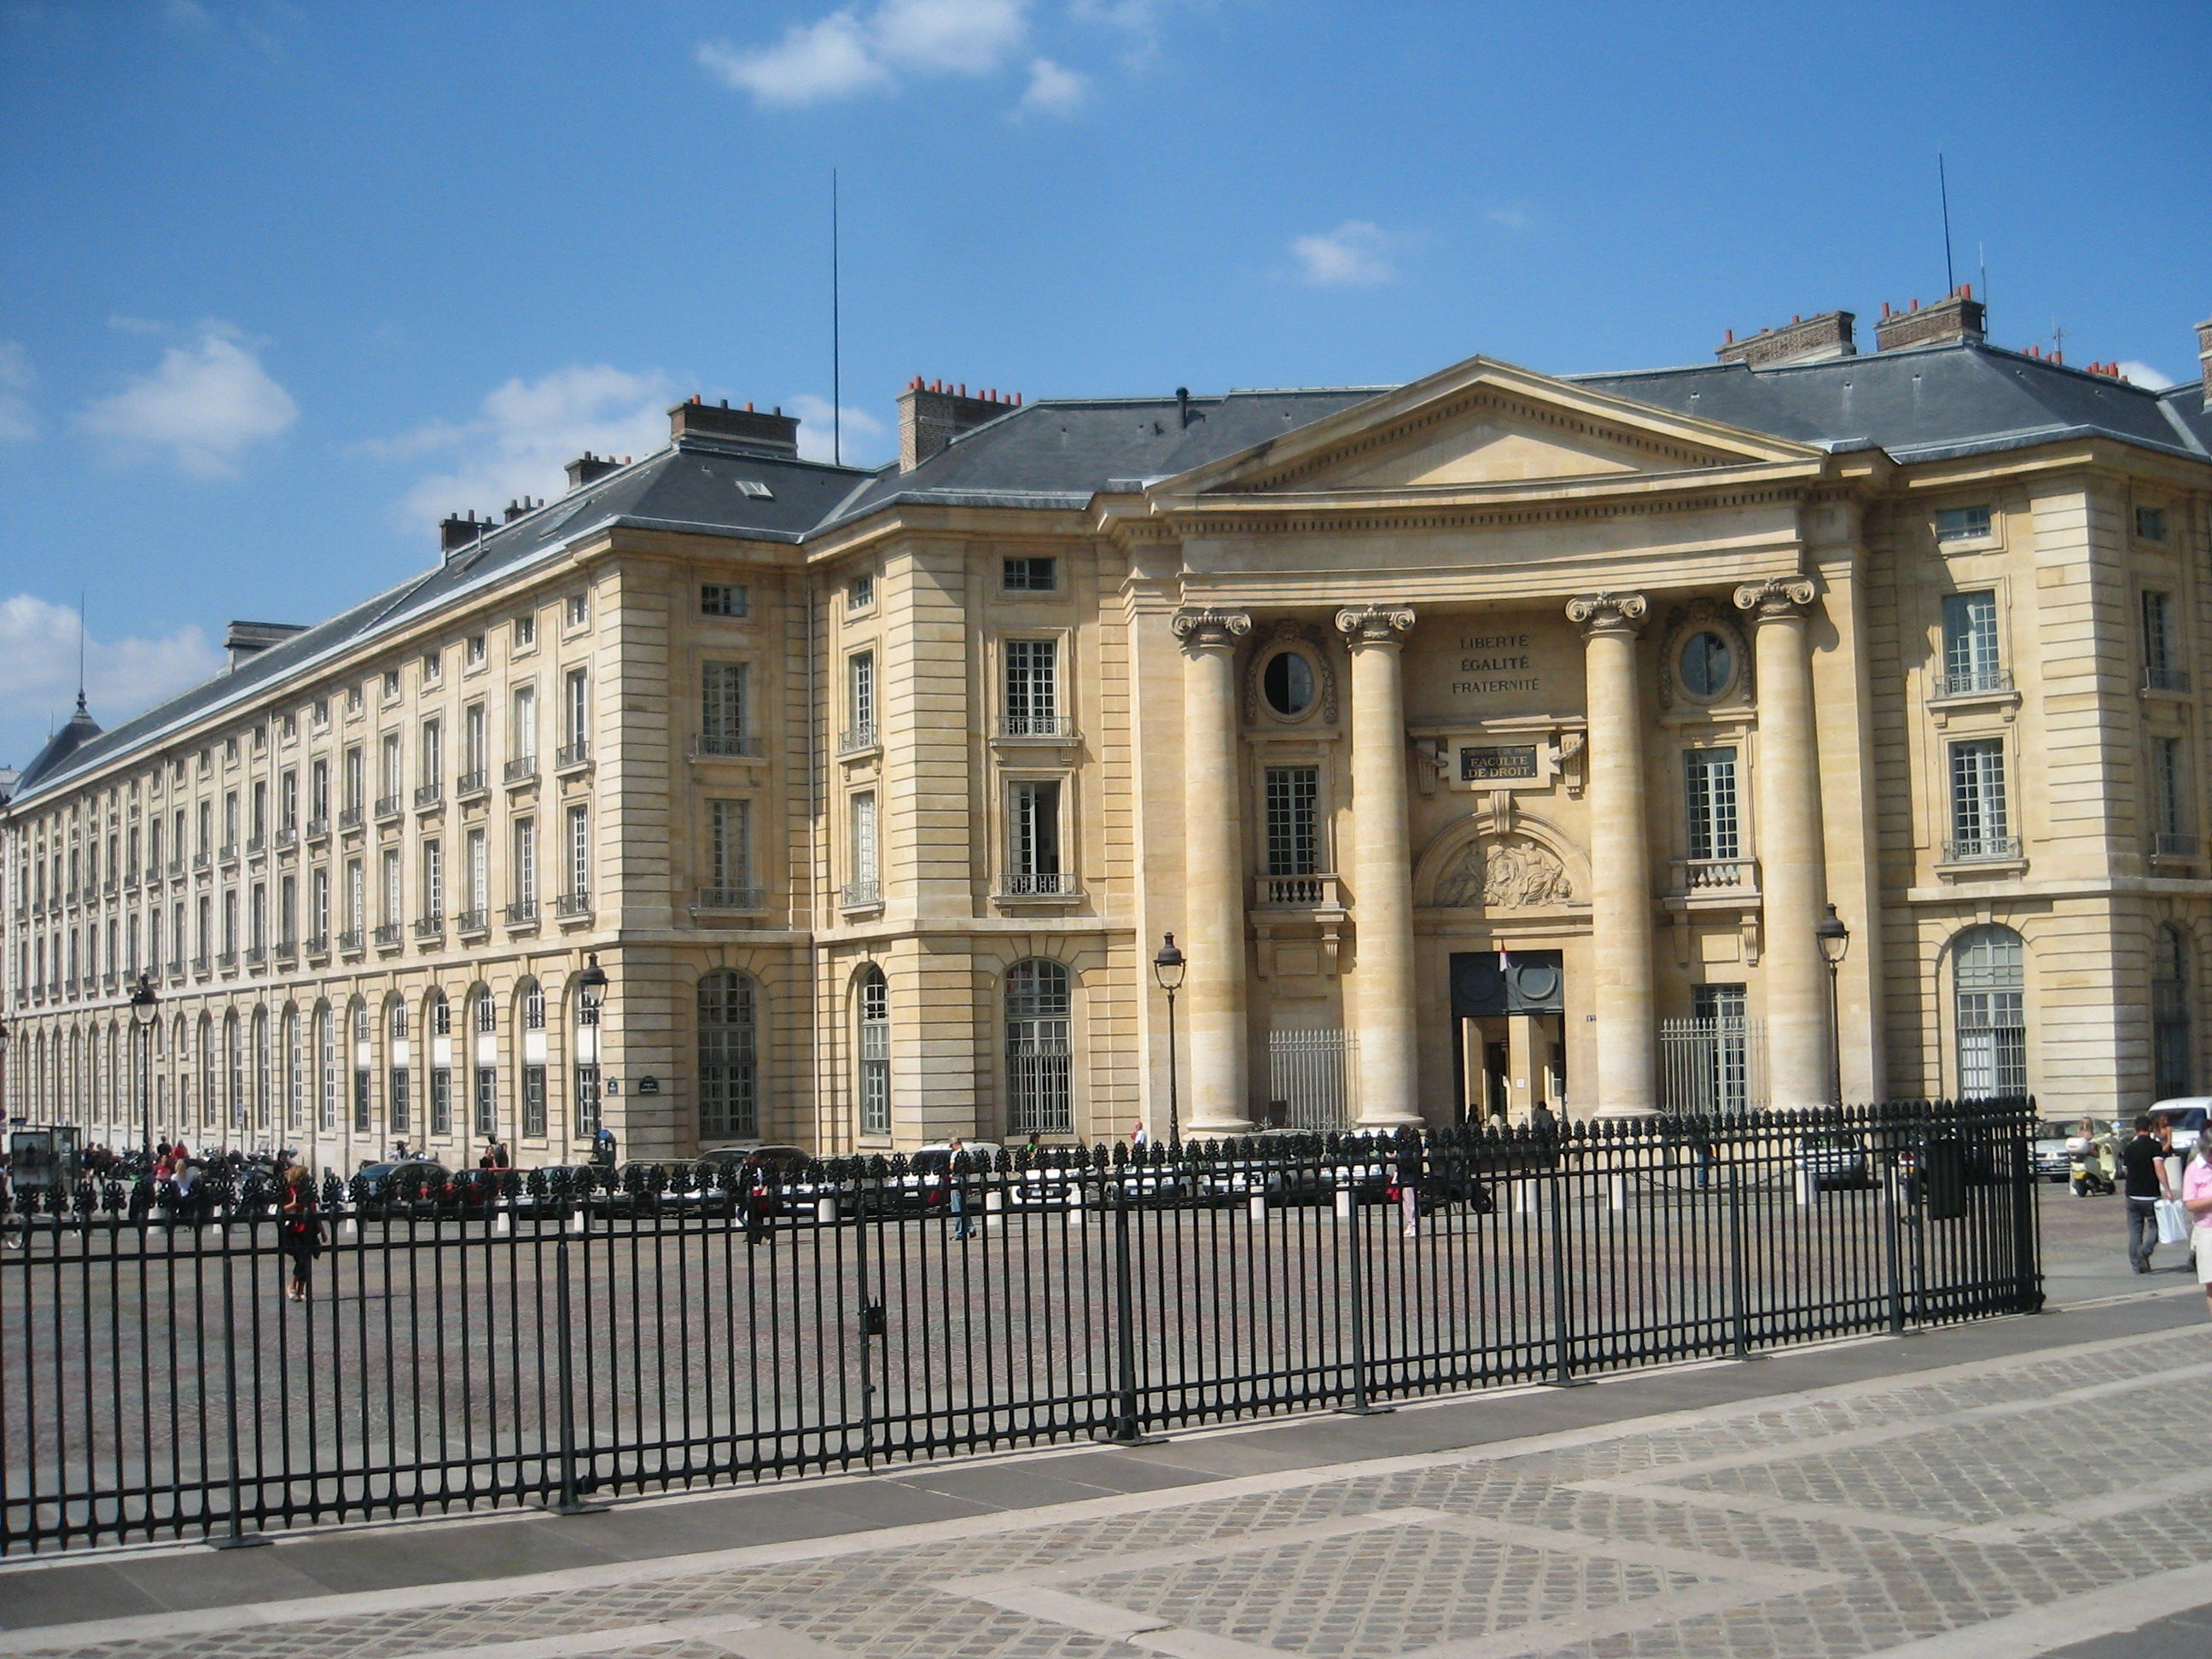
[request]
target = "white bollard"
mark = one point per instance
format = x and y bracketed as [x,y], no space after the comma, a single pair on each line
[503,1222]
[1257,1206]
[1808,1187]
[576,1222]
[1617,1193]
[825,1212]
[1525,1197]
[1344,1204]
[349,1228]
[994,1201]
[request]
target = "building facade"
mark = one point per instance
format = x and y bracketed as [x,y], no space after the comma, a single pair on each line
[1497,739]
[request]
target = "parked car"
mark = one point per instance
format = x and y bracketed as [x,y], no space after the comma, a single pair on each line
[2053,1152]
[1834,1158]
[927,1185]
[1282,1166]
[414,1187]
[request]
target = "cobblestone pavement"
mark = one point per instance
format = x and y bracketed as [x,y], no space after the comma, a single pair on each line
[1950,1511]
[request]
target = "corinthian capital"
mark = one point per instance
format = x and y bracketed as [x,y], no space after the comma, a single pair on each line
[1784,596]
[1206,626]
[1608,613]
[1375,624]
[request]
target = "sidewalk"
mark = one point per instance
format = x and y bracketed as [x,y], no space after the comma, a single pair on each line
[1923,1496]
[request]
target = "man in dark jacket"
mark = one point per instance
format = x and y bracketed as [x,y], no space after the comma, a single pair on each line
[2143,1178]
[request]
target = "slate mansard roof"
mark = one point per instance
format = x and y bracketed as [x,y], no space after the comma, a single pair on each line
[1923,403]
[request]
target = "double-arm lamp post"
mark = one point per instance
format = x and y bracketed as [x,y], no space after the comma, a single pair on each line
[1835,942]
[142,1015]
[1167,973]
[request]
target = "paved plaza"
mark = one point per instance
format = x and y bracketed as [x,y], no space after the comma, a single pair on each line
[1973,1492]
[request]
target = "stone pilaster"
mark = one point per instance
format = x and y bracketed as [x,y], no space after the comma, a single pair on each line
[1620,860]
[1382,897]
[1214,869]
[1792,876]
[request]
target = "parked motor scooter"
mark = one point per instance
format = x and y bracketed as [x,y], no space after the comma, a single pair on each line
[2091,1173]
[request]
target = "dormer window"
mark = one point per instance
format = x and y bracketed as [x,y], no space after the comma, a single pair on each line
[1031,576]
[1962,524]
[860,592]
[2150,524]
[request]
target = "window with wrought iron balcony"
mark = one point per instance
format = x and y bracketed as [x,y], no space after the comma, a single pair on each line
[387,807]
[860,895]
[859,740]
[732,898]
[568,906]
[428,794]
[428,927]
[472,921]
[318,829]
[472,783]
[350,818]
[387,935]
[523,768]
[522,913]
[570,756]
[350,941]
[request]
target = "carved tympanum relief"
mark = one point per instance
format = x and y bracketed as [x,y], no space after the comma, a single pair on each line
[1512,873]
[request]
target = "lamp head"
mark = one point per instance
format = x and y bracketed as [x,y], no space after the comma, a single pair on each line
[1168,966]
[594,977]
[142,1000]
[1833,937]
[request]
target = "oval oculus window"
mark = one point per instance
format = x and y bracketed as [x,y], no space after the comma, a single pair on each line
[1287,681]
[1708,665]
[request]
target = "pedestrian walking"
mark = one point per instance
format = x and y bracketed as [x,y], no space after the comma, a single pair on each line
[15,1229]
[300,1229]
[2143,1180]
[1408,1186]
[2196,1199]
[1139,1136]
[955,1194]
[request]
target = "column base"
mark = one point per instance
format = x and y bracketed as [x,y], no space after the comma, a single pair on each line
[1628,1111]
[1216,1129]
[1390,1121]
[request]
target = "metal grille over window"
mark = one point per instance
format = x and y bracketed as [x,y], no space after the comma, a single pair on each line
[728,1067]
[1032,689]
[1970,646]
[1992,1024]
[875,1079]
[1040,1099]
[1980,823]
[1714,1063]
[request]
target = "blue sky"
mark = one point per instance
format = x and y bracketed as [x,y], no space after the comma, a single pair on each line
[284,281]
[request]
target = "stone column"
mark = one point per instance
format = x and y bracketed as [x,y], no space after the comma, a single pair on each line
[1620,860]
[1382,897]
[1219,1098]
[1792,865]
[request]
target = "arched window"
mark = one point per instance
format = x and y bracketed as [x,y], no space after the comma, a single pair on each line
[584,1060]
[180,1064]
[398,1095]
[438,1030]
[295,1083]
[1038,1098]
[208,1092]
[326,1067]
[1991,977]
[875,1051]
[363,1027]
[484,1060]
[530,1005]
[233,1063]
[261,1069]
[728,1066]
[2169,1013]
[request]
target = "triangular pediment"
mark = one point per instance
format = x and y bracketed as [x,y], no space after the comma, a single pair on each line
[1483,423]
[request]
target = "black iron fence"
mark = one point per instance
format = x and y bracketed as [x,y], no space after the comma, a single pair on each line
[510,1339]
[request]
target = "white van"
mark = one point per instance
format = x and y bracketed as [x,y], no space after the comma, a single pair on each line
[2186,1113]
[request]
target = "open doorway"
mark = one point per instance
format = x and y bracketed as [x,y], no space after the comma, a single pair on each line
[1509,1025]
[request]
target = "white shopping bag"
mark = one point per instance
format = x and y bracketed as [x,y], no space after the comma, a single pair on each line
[2173,1222]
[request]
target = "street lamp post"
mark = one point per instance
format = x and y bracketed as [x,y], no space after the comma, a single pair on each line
[1167,973]
[590,1013]
[4,1034]
[1835,942]
[143,1014]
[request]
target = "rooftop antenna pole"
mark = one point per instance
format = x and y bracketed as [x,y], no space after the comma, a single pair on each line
[80,649]
[836,343]
[1943,185]
[1982,261]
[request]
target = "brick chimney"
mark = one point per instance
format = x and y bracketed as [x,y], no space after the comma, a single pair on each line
[1955,318]
[775,433]
[1805,340]
[2204,356]
[588,468]
[456,532]
[933,415]
[247,640]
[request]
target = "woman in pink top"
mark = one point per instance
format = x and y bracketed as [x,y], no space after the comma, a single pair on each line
[2196,1199]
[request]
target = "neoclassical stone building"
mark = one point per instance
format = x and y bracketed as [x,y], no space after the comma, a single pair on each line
[1494,738]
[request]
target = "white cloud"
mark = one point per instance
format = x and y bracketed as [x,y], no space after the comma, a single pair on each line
[206,404]
[847,53]
[2144,375]
[37,670]
[1356,254]
[1511,218]
[526,432]
[1054,90]
[863,433]
[17,421]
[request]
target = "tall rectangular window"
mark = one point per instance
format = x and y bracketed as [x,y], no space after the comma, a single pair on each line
[722,708]
[1721,1046]
[2162,670]
[479,876]
[394,901]
[433,880]
[288,912]
[730,851]
[430,755]
[318,790]
[579,852]
[475,746]
[257,931]
[1293,797]
[258,824]
[288,799]
[356,901]
[524,874]
[1032,689]
[1980,818]
[2170,796]
[861,699]
[576,714]
[875,1055]
[867,875]
[322,910]
[1033,836]
[1708,789]
[522,725]
[356,781]
[1970,644]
